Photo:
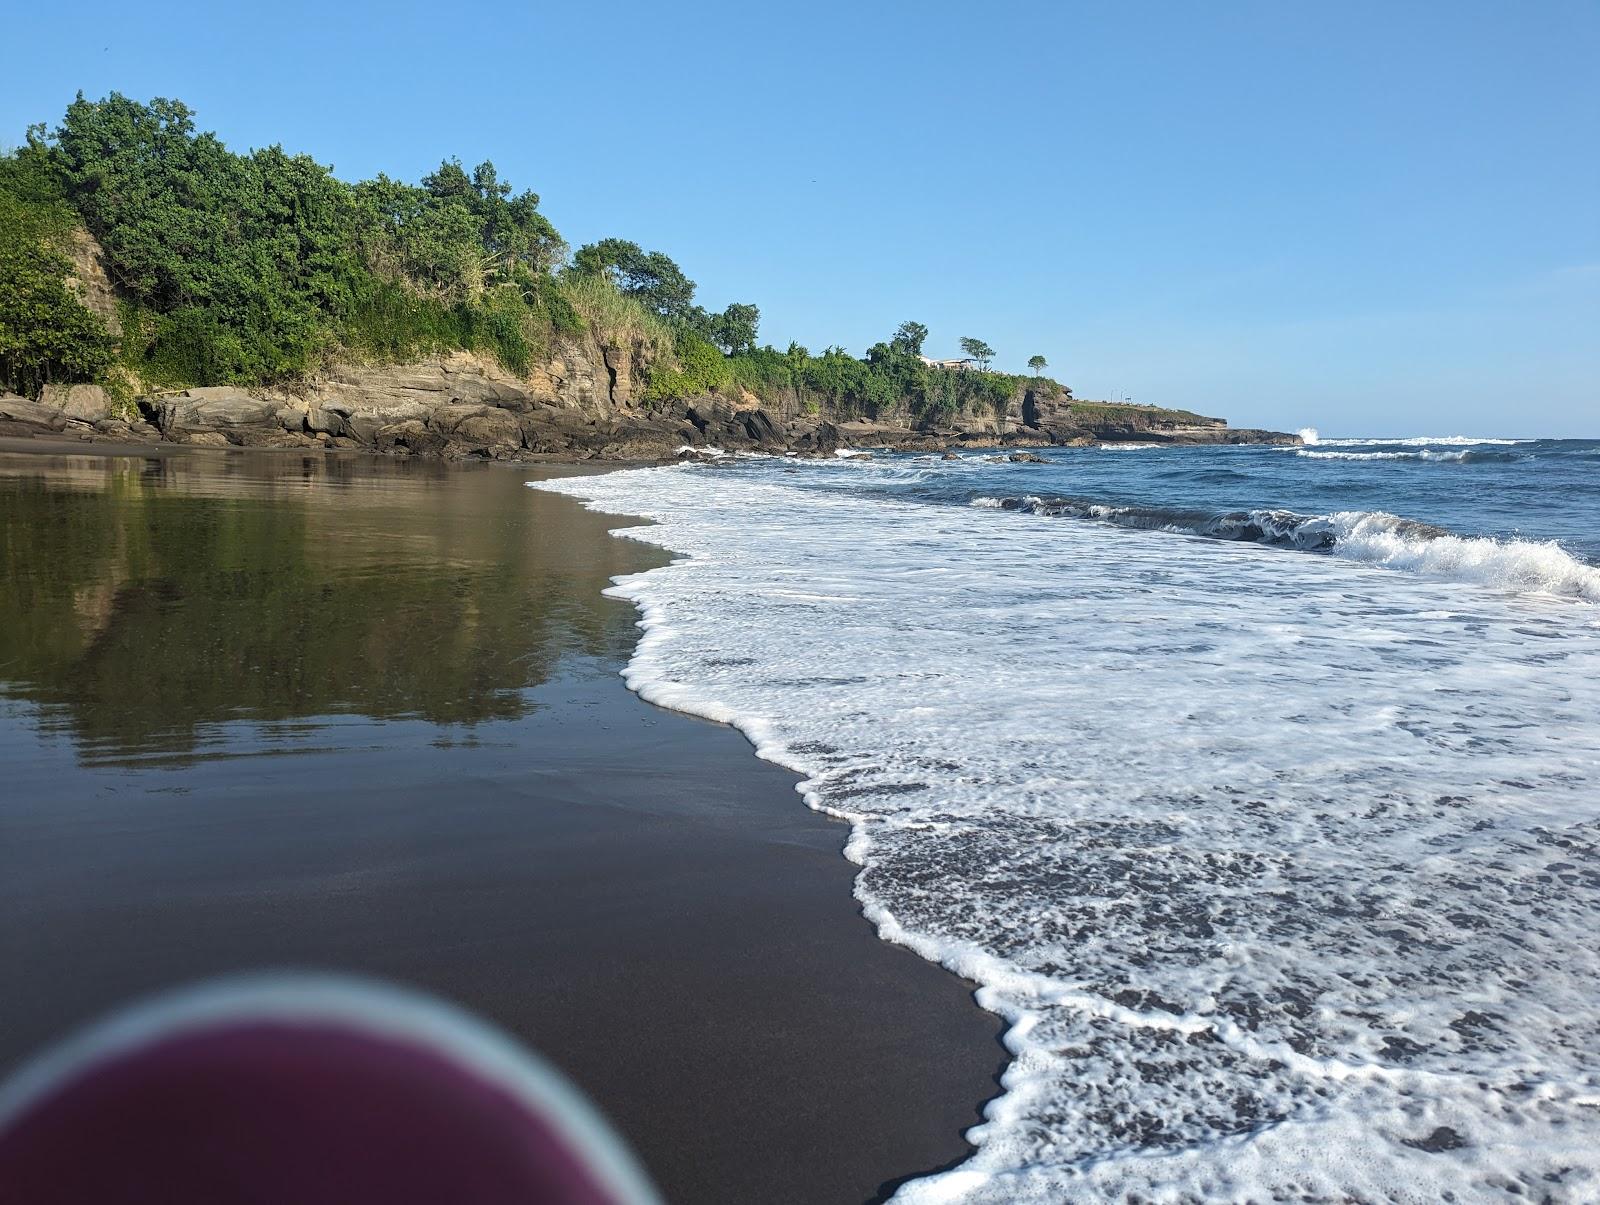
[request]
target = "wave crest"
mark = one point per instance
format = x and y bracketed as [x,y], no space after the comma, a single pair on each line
[1460,456]
[1371,537]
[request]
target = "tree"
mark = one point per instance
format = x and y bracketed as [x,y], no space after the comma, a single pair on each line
[979,351]
[909,338]
[1038,364]
[648,275]
[511,230]
[241,257]
[734,330]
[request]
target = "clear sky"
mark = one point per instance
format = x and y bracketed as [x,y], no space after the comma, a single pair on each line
[1367,216]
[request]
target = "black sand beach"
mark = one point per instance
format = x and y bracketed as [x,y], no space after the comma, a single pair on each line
[264,710]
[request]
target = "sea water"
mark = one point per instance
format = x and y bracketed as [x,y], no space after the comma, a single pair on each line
[1258,789]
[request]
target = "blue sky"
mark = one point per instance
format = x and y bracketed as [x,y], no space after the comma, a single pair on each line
[1368,217]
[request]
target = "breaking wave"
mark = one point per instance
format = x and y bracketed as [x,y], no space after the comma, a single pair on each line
[1312,438]
[1372,537]
[1459,456]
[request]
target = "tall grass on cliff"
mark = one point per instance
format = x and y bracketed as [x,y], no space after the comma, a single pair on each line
[615,318]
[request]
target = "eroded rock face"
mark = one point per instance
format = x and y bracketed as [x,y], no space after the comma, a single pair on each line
[90,279]
[579,404]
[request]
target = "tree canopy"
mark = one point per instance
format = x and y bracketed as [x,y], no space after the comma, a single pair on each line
[978,350]
[909,337]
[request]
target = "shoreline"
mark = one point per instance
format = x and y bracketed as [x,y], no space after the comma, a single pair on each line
[631,891]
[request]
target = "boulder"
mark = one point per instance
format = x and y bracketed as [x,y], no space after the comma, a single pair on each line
[224,409]
[19,416]
[489,431]
[123,431]
[1025,458]
[820,440]
[446,418]
[364,421]
[321,420]
[86,403]
[412,435]
[759,429]
[708,414]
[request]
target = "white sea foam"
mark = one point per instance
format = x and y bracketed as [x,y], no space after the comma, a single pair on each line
[1461,456]
[1321,455]
[1442,441]
[1373,537]
[1127,447]
[1284,870]
[1308,436]
[1529,566]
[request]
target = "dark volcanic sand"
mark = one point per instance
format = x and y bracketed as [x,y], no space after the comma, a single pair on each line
[332,712]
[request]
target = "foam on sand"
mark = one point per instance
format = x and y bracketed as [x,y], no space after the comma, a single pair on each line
[1284,870]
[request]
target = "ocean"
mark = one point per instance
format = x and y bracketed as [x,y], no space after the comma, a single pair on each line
[1258,789]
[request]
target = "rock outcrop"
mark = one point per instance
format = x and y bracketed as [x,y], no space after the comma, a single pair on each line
[578,404]
[91,279]
[460,405]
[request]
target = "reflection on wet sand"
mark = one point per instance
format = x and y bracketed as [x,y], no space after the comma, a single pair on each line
[148,604]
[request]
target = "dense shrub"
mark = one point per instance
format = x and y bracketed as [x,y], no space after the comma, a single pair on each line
[701,368]
[46,333]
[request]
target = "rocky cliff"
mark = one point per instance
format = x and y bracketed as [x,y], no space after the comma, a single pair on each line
[578,402]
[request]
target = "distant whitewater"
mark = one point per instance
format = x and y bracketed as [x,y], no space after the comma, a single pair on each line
[1260,793]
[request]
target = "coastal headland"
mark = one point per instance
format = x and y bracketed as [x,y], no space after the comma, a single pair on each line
[158,287]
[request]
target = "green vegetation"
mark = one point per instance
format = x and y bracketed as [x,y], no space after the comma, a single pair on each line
[890,380]
[263,267]
[1038,364]
[257,268]
[46,334]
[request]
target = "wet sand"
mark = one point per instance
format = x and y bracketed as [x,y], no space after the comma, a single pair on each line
[339,713]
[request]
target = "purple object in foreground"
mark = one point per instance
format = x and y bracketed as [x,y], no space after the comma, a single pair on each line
[302,1091]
